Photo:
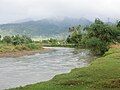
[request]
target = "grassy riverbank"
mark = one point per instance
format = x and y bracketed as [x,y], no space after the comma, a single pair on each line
[18,45]
[9,50]
[102,73]
[12,48]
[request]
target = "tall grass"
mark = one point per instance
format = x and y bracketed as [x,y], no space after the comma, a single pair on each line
[12,48]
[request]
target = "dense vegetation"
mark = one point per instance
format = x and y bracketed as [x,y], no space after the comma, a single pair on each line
[18,43]
[17,40]
[97,37]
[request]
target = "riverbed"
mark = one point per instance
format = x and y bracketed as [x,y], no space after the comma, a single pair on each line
[43,66]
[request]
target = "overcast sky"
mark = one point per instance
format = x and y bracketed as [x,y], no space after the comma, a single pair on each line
[11,10]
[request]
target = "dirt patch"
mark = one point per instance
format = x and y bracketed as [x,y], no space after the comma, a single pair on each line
[115,46]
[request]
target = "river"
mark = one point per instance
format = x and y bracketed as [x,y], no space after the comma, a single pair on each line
[25,70]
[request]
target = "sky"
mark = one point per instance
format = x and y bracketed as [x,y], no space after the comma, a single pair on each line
[12,10]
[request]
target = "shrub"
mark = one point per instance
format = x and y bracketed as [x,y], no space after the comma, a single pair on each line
[96,45]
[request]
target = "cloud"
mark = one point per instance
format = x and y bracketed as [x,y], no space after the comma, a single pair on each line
[11,10]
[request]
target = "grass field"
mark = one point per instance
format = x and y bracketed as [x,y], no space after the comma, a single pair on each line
[102,74]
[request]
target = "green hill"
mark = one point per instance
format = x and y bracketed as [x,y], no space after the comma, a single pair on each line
[44,27]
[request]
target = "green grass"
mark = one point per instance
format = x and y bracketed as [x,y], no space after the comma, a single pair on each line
[102,74]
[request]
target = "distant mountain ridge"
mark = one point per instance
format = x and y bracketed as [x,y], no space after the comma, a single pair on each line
[23,20]
[44,27]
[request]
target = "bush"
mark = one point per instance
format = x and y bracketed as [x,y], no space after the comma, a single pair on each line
[97,46]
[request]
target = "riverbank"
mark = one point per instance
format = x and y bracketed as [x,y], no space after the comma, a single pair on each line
[8,50]
[102,73]
[22,53]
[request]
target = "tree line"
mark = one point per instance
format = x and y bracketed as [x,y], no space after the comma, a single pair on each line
[97,37]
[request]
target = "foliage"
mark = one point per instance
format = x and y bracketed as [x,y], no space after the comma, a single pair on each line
[104,32]
[96,45]
[7,39]
[18,43]
[17,40]
[75,36]
[97,38]
[100,35]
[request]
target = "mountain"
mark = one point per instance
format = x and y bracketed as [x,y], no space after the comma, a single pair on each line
[44,27]
[23,20]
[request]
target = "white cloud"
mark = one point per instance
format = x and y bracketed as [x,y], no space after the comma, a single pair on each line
[11,10]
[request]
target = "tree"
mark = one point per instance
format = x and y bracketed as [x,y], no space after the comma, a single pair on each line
[76,36]
[100,30]
[118,24]
[100,35]
[7,39]
[97,38]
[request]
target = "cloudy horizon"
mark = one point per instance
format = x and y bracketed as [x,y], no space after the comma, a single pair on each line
[12,10]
